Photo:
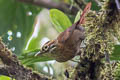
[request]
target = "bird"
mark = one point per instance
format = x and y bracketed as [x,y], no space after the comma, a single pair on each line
[67,44]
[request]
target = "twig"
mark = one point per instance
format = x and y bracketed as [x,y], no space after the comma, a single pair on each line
[80,3]
[50,4]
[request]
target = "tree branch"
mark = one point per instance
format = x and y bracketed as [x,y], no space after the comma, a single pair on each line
[50,4]
[99,42]
[14,69]
[80,3]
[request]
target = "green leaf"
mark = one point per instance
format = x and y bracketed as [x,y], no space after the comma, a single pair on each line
[29,58]
[116,53]
[60,21]
[32,60]
[29,54]
[77,16]
[42,32]
[2,77]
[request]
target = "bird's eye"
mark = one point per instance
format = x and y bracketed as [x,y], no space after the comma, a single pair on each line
[45,48]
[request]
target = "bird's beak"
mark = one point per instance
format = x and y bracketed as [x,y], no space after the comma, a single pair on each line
[39,53]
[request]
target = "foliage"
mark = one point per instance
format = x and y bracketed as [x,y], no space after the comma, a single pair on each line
[60,20]
[29,58]
[16,18]
[116,53]
[5,78]
[21,18]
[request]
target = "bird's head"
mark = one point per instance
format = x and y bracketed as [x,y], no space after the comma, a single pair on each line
[48,47]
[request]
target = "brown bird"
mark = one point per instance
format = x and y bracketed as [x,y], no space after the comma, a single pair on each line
[67,44]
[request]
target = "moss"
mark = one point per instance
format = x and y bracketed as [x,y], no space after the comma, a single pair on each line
[100,40]
[14,69]
[116,70]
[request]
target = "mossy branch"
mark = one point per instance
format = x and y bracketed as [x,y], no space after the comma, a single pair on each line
[12,67]
[101,28]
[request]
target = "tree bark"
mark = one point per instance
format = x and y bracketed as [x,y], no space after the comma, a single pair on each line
[12,67]
[101,28]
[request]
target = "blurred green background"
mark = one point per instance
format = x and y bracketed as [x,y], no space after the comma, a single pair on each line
[25,28]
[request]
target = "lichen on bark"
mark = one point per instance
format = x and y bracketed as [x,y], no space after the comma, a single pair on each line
[101,28]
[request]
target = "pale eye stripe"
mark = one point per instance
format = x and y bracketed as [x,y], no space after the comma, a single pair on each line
[52,45]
